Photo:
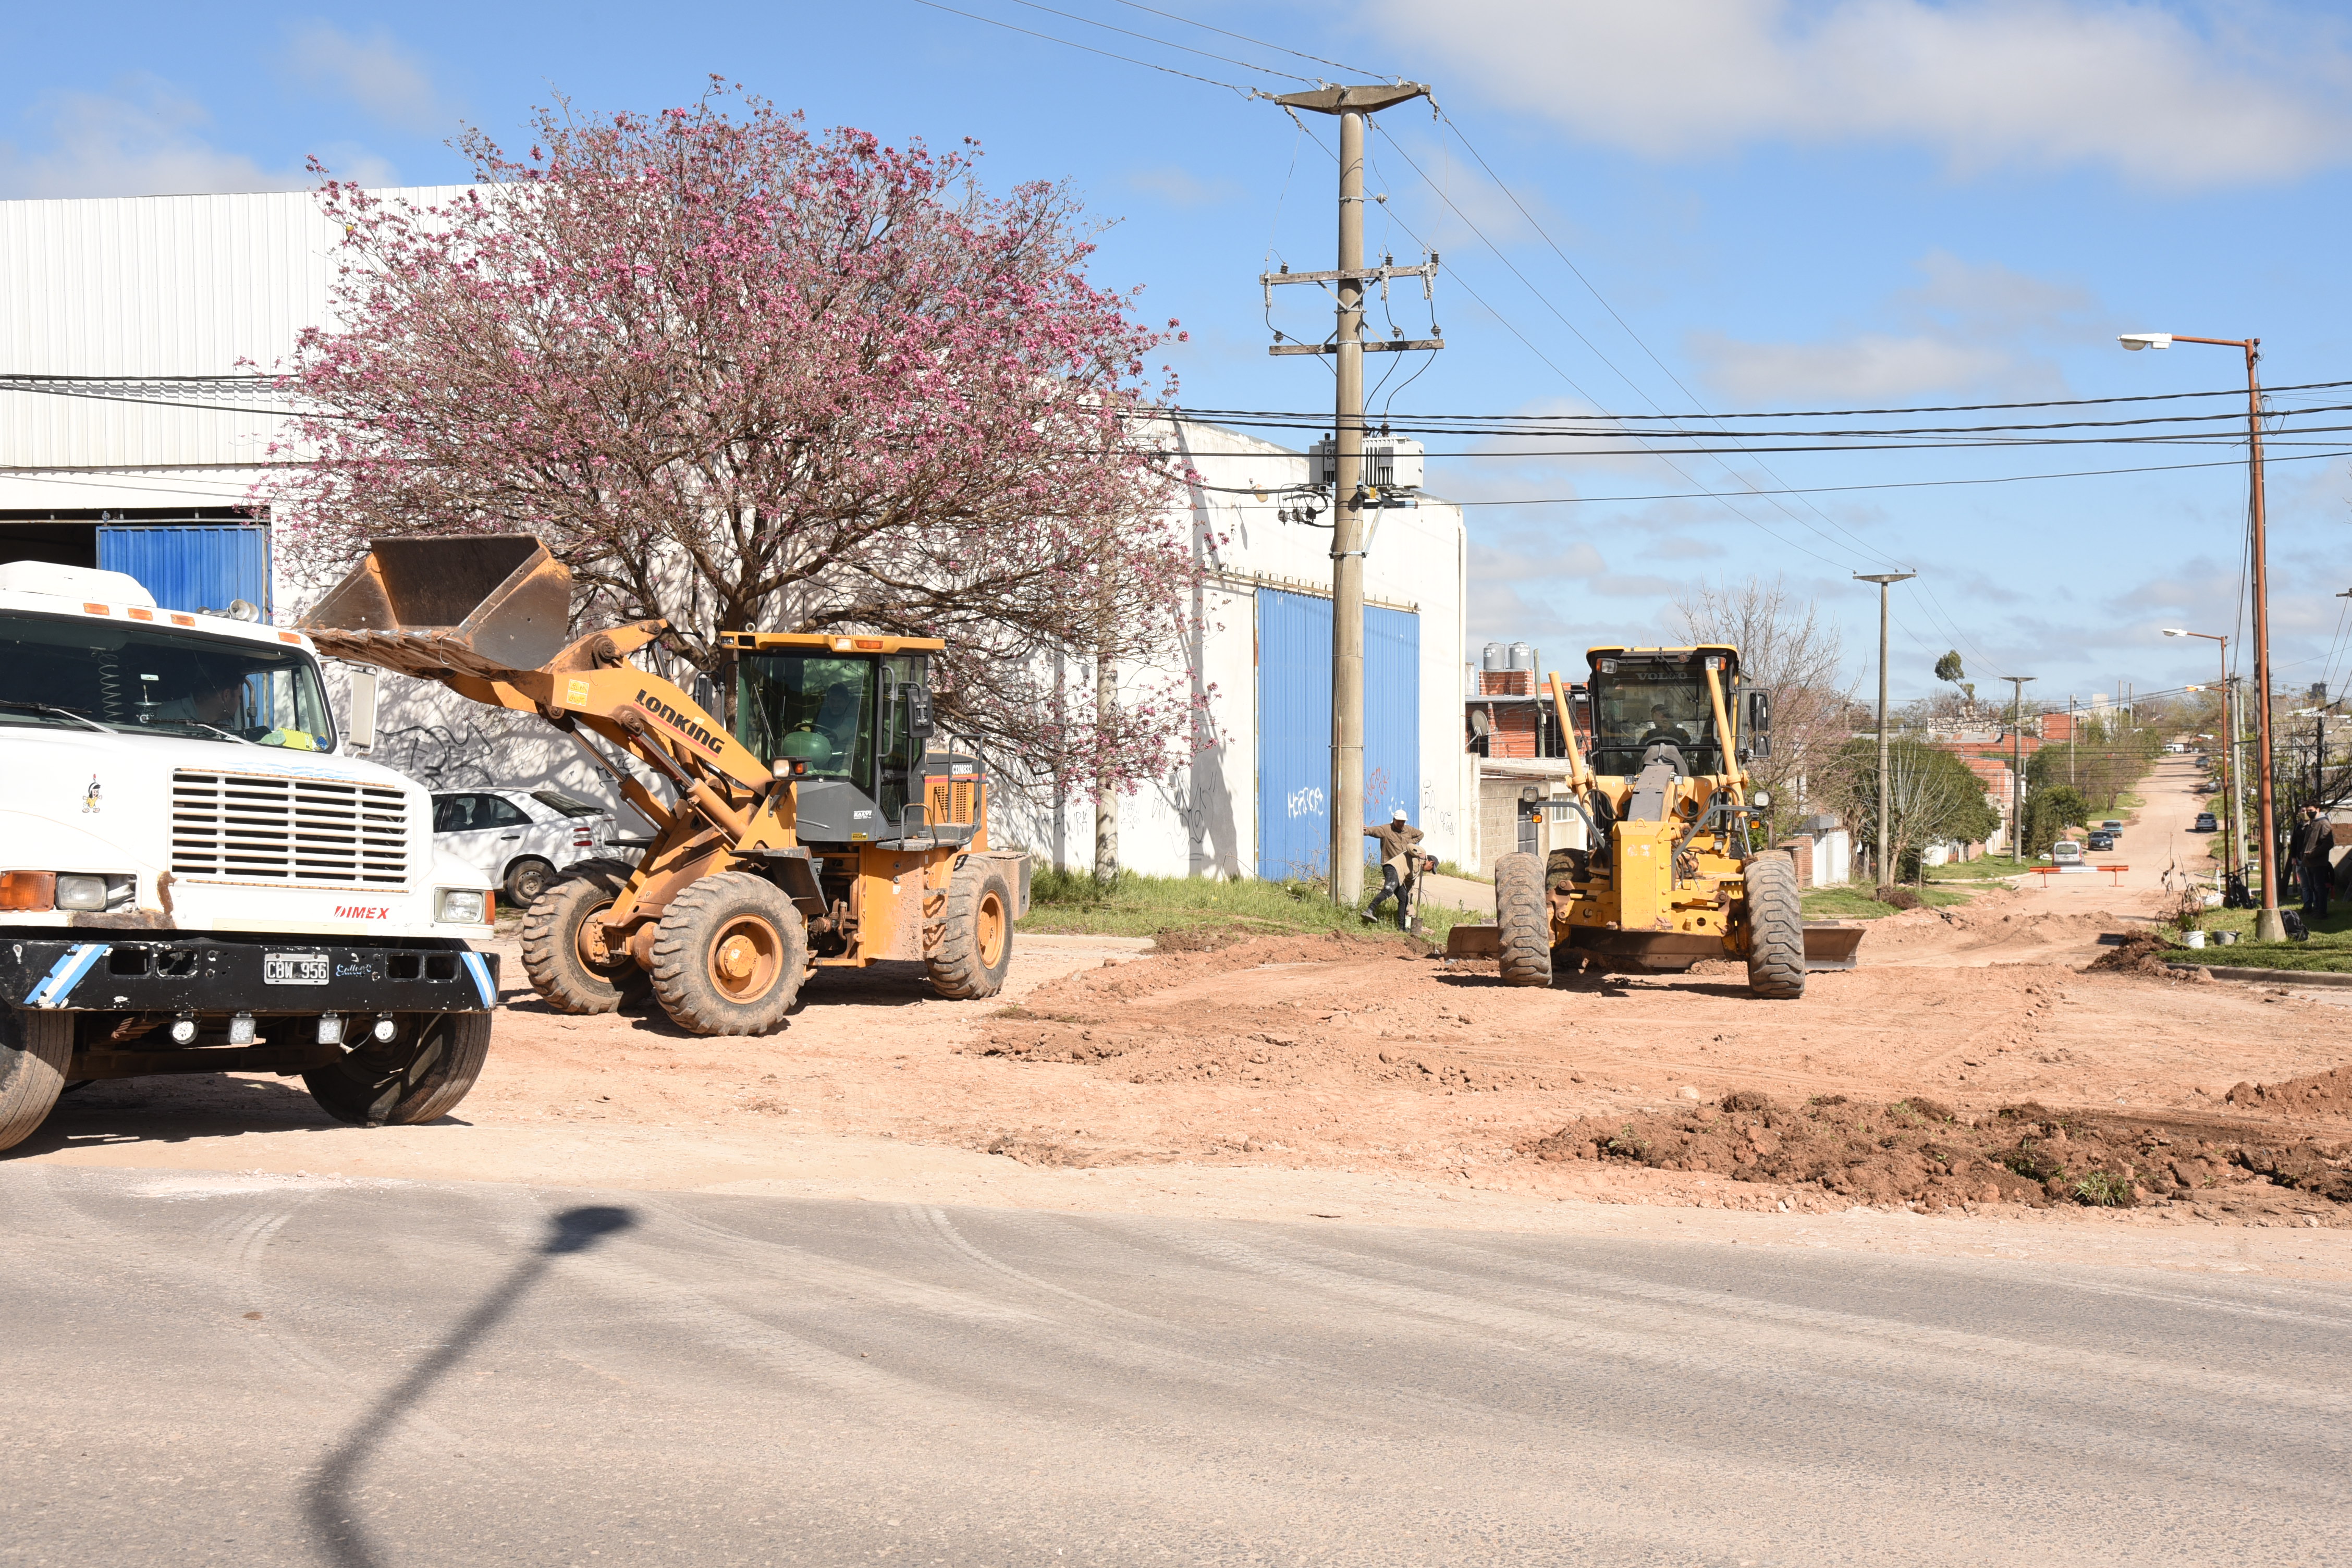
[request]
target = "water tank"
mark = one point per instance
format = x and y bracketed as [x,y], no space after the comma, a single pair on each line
[1493,659]
[1522,657]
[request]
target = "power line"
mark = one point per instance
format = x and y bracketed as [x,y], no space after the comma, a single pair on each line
[1107,54]
[1163,42]
[1261,43]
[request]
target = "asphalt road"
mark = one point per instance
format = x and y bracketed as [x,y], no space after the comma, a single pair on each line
[269,1370]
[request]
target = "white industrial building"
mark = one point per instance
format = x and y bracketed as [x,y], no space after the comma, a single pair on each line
[144,462]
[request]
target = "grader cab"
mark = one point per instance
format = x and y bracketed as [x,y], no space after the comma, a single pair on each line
[820,829]
[1665,870]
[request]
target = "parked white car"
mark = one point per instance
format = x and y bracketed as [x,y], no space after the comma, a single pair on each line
[521,837]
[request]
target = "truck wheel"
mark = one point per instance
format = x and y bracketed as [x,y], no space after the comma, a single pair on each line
[1776,929]
[526,880]
[567,978]
[418,1075]
[1521,911]
[976,948]
[34,1047]
[730,955]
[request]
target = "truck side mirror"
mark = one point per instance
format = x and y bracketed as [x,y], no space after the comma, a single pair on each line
[359,727]
[918,712]
[1759,714]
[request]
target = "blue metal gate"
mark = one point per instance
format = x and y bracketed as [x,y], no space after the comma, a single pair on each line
[1294,727]
[191,566]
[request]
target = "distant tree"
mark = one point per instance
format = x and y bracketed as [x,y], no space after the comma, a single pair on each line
[1932,797]
[2048,812]
[1948,669]
[1788,648]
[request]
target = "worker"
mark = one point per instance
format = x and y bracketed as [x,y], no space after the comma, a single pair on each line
[1664,731]
[1401,864]
[2310,848]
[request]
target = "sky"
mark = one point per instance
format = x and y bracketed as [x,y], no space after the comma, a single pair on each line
[1682,207]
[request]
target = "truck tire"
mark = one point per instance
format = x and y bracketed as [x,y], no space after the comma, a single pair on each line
[419,1075]
[527,878]
[562,975]
[34,1047]
[730,955]
[1521,911]
[1776,929]
[976,948]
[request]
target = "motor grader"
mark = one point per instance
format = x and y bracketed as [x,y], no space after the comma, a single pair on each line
[1666,870]
[819,829]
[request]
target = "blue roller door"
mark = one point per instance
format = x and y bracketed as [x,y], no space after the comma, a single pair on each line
[191,566]
[1294,727]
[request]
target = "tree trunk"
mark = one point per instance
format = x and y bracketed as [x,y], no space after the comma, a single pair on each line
[1106,792]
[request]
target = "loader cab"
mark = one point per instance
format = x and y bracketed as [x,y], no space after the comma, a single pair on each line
[853,717]
[1651,704]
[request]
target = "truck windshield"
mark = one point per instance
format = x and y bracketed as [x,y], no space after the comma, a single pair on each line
[75,672]
[815,708]
[1639,706]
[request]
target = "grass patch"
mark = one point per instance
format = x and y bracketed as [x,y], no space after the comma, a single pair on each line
[1073,902]
[2328,951]
[1853,904]
[1985,869]
[1448,868]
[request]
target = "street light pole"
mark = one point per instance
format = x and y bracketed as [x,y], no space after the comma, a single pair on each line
[2016,764]
[1884,580]
[2268,926]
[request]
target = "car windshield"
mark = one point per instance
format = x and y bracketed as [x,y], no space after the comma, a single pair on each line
[81,671]
[813,708]
[1639,705]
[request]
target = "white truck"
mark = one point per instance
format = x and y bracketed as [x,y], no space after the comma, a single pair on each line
[196,877]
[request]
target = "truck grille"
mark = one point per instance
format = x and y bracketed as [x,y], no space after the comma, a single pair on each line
[271,827]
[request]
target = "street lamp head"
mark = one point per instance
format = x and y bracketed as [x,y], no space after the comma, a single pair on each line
[1884,578]
[2138,341]
[2174,632]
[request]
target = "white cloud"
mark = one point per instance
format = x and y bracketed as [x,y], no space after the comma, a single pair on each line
[145,142]
[387,80]
[1871,365]
[2247,95]
[1180,188]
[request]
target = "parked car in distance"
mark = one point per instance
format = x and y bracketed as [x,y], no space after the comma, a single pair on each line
[2206,823]
[521,837]
[2101,839]
[2066,852]
[2114,824]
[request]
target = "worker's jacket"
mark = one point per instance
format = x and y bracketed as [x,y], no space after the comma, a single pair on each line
[2312,840]
[1398,840]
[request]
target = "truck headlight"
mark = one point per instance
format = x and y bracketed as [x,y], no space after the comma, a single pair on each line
[461,906]
[80,893]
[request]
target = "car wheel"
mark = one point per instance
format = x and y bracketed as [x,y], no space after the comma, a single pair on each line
[526,880]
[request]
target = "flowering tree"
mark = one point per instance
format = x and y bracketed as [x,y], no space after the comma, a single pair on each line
[740,377]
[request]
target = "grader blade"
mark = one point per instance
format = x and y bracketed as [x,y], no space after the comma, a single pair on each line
[478,604]
[1828,945]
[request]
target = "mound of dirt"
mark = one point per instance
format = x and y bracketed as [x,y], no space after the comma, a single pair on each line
[2143,953]
[2325,1094]
[1918,1150]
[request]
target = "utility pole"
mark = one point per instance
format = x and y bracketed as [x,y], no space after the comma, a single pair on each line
[1350,104]
[2016,764]
[1884,580]
[2070,740]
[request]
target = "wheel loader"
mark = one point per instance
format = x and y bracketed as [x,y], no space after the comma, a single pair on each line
[1666,869]
[819,829]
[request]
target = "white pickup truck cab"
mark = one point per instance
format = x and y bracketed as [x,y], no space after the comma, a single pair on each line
[194,877]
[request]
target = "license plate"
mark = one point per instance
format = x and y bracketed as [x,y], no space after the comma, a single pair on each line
[293,969]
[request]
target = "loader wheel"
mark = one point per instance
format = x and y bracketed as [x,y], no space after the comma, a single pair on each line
[1520,909]
[418,1075]
[730,955]
[1776,929]
[568,976]
[35,1049]
[976,947]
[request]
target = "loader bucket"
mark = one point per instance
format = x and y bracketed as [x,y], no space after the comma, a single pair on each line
[1828,945]
[500,597]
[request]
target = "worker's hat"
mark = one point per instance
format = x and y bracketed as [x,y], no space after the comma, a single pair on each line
[1400,816]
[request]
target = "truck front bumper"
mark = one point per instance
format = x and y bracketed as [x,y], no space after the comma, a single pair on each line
[243,975]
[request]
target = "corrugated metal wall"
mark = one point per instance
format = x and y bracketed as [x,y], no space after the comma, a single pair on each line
[191,566]
[1294,715]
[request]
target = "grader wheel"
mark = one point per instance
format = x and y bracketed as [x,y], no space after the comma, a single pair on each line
[569,970]
[1776,929]
[1520,911]
[730,955]
[976,948]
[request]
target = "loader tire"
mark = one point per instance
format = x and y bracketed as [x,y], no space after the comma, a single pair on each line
[564,976]
[419,1075]
[35,1049]
[1776,929]
[730,955]
[1521,911]
[976,947]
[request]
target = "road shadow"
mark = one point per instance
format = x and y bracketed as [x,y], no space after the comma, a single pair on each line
[175,1109]
[327,1502]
